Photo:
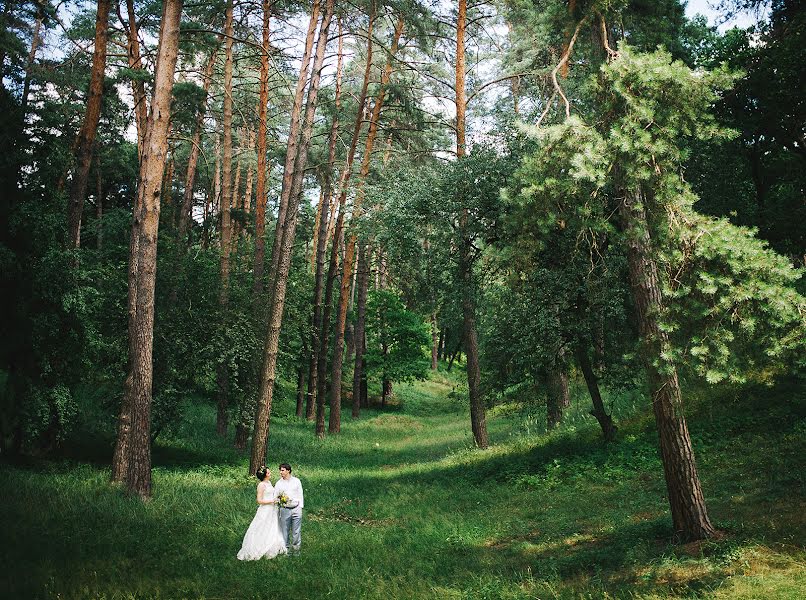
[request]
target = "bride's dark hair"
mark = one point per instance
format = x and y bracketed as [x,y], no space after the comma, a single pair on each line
[261,473]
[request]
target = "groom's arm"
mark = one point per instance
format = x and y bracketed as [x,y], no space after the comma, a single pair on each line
[301,497]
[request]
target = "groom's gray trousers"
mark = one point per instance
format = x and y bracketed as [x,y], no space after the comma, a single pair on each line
[290,527]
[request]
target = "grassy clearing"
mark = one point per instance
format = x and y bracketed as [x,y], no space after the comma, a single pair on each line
[400,506]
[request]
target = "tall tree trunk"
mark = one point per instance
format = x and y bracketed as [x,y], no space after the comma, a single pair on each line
[360,328]
[364,382]
[334,424]
[246,206]
[36,40]
[291,192]
[557,397]
[338,228]
[478,418]
[134,435]
[242,427]
[86,136]
[321,241]
[292,153]
[99,203]
[186,212]
[689,514]
[167,186]
[324,332]
[441,345]
[214,198]
[434,342]
[236,188]
[260,184]
[316,316]
[138,87]
[301,384]
[222,370]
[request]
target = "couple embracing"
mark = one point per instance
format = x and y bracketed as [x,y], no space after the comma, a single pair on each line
[277,524]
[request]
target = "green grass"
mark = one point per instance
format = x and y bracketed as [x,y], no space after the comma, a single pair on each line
[399,505]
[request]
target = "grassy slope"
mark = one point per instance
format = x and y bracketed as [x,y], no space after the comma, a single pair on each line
[400,506]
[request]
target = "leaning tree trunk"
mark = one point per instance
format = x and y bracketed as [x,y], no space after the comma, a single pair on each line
[478,418]
[145,227]
[334,424]
[686,500]
[86,136]
[292,152]
[609,428]
[292,185]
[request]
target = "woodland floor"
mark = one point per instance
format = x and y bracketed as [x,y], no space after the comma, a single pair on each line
[399,505]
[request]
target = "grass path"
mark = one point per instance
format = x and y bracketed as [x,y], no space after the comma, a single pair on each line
[400,506]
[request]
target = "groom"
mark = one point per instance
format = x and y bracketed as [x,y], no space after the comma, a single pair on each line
[291,513]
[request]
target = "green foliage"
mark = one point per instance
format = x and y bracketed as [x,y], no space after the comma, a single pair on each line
[734,307]
[723,282]
[397,339]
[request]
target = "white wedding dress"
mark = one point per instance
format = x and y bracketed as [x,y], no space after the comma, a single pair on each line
[263,538]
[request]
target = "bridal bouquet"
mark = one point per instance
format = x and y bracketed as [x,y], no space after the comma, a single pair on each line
[283,499]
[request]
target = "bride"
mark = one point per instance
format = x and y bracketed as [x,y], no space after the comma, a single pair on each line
[263,538]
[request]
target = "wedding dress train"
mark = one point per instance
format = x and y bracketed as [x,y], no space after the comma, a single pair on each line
[263,538]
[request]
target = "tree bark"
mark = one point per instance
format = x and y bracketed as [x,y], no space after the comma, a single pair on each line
[293,180]
[186,212]
[86,136]
[133,450]
[292,152]
[99,203]
[558,398]
[441,344]
[478,418]
[686,500]
[321,243]
[301,385]
[222,370]
[247,195]
[360,328]
[609,429]
[434,342]
[138,87]
[36,40]
[334,424]
[338,229]
[260,184]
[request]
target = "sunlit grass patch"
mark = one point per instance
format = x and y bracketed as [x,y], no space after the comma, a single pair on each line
[401,505]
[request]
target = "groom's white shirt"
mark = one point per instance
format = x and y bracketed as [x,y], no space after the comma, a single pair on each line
[293,489]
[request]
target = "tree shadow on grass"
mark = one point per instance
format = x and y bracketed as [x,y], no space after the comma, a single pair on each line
[635,558]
